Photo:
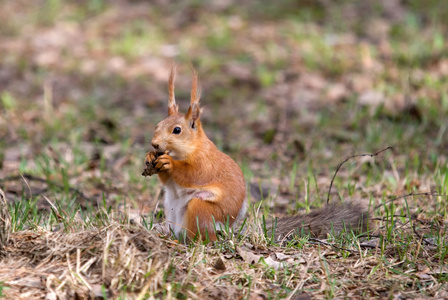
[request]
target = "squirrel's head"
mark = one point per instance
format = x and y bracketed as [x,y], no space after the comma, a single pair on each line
[179,134]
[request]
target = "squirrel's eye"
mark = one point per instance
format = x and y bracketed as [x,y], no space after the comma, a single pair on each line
[176,130]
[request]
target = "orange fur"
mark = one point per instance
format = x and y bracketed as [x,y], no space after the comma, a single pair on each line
[200,215]
[172,106]
[202,183]
[194,89]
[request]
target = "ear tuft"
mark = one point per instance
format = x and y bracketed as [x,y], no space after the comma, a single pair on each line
[195,90]
[194,112]
[172,106]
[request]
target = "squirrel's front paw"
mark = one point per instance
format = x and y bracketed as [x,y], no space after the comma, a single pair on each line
[151,156]
[164,163]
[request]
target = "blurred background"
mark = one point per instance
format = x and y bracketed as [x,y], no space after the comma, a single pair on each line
[289,89]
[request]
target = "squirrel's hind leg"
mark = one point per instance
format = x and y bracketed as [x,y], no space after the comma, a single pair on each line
[201,218]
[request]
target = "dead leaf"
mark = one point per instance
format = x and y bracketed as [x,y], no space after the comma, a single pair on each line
[281,256]
[373,243]
[336,93]
[248,256]
[51,296]
[301,296]
[313,81]
[257,296]
[423,276]
[229,255]
[272,263]
[438,271]
[371,98]
[219,264]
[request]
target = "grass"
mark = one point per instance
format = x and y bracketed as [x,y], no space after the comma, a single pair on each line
[288,92]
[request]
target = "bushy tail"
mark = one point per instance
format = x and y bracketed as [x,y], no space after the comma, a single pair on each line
[334,217]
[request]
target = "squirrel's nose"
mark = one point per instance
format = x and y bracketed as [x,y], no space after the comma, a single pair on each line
[156,146]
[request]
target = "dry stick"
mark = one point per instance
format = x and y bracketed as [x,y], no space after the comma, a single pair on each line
[26,182]
[350,157]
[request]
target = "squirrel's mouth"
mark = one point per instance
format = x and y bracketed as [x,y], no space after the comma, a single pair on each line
[159,153]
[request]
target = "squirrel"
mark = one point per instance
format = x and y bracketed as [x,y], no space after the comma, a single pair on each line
[205,188]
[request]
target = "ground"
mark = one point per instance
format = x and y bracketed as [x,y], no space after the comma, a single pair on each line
[289,90]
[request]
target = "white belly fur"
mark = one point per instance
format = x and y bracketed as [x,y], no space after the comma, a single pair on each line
[176,202]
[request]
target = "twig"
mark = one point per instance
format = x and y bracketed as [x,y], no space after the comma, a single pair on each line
[26,182]
[350,157]
[56,210]
[386,218]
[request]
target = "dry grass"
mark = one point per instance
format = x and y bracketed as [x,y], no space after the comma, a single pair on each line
[121,260]
[61,265]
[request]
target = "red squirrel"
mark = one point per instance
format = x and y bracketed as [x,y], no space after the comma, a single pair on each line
[205,188]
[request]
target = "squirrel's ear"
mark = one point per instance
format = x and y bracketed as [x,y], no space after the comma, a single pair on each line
[172,106]
[194,112]
[193,115]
